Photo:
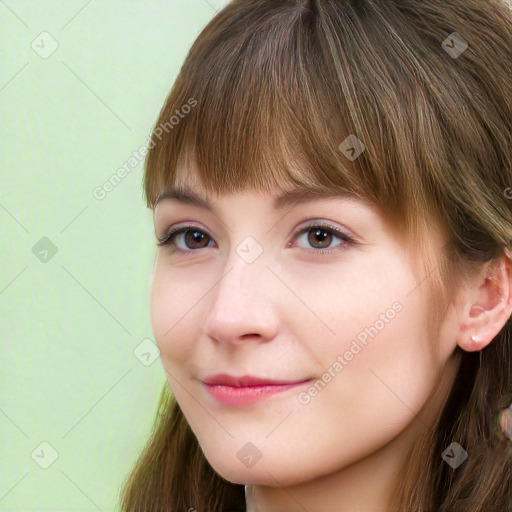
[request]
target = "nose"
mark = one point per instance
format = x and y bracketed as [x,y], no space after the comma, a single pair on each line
[243,304]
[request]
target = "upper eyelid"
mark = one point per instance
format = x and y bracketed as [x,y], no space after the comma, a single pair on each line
[185,225]
[316,202]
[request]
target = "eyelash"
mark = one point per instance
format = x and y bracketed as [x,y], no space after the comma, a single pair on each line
[348,241]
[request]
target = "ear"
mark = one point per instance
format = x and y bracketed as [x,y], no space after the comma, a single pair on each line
[485,304]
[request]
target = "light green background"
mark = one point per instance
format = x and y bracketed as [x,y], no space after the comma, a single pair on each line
[70,325]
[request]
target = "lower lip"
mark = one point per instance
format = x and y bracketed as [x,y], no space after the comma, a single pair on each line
[246,395]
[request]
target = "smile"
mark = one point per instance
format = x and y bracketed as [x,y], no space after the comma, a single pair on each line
[246,390]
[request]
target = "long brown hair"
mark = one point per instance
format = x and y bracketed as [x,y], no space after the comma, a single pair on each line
[273,88]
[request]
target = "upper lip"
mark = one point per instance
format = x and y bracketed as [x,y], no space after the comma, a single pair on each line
[223,379]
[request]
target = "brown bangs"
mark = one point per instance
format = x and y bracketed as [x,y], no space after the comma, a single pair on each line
[270,113]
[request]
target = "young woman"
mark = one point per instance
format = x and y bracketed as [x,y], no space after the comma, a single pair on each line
[332,291]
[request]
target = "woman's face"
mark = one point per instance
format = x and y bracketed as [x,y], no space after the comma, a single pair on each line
[263,292]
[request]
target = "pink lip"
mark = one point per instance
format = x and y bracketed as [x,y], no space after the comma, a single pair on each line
[245,390]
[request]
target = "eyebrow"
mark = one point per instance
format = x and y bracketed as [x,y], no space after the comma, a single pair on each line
[294,197]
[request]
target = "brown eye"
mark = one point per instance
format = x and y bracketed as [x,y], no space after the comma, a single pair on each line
[319,238]
[194,239]
[189,237]
[325,238]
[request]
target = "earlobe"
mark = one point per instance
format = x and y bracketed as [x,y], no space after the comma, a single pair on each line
[478,343]
[487,306]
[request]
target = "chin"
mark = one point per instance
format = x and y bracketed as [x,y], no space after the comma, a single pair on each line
[237,473]
[247,477]
[265,474]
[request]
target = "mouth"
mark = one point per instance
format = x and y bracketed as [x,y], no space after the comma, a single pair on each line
[245,390]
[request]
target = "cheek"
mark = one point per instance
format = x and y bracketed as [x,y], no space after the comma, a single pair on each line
[372,400]
[369,310]
[173,302]
[379,365]
[386,379]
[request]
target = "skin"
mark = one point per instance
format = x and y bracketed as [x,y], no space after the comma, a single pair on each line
[289,315]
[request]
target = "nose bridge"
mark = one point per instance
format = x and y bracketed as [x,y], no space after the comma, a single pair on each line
[245,269]
[244,278]
[240,301]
